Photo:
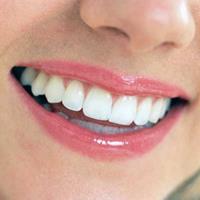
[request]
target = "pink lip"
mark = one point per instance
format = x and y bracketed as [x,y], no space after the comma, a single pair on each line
[103,147]
[111,80]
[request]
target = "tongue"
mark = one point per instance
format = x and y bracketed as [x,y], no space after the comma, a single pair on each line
[79,115]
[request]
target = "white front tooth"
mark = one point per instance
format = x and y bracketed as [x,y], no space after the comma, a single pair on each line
[156,110]
[143,111]
[74,96]
[38,85]
[98,104]
[54,90]
[28,76]
[165,107]
[124,110]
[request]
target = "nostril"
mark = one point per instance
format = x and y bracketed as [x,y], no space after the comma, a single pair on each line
[167,45]
[113,31]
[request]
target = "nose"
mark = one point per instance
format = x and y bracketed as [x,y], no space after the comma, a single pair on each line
[146,24]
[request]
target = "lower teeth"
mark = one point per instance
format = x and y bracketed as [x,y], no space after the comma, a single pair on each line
[98,128]
[47,107]
[105,129]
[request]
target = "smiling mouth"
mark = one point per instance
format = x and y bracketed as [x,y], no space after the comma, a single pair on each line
[116,122]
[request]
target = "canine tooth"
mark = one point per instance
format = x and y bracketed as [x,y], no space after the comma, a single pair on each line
[28,76]
[156,110]
[54,90]
[165,107]
[38,85]
[124,110]
[144,111]
[74,96]
[98,104]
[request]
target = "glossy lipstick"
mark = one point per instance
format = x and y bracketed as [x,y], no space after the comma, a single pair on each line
[111,80]
[98,146]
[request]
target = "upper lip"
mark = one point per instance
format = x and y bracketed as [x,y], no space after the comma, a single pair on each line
[111,80]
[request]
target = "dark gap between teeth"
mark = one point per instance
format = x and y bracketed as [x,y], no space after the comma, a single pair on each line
[61,110]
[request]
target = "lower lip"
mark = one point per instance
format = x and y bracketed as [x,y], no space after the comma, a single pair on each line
[96,146]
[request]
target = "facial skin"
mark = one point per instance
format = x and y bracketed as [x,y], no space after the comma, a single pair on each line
[155,38]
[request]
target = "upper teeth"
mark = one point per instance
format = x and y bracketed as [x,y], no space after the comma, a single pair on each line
[96,102]
[38,85]
[74,96]
[54,89]
[124,110]
[28,76]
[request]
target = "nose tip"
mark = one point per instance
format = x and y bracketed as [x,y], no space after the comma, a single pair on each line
[147,24]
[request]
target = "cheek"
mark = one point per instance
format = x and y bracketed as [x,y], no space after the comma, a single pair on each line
[19,16]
